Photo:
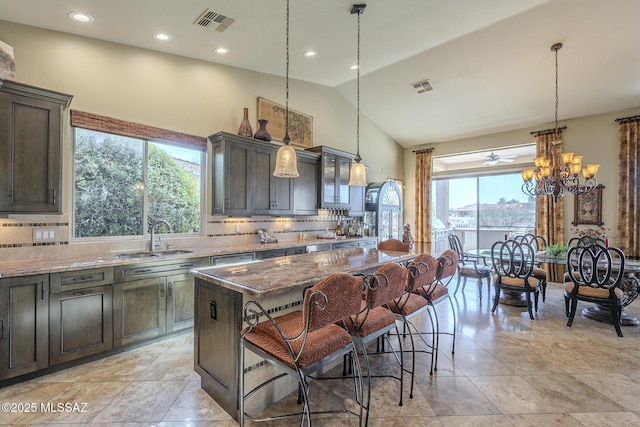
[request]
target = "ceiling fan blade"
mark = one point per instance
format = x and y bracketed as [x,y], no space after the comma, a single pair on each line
[505,159]
[490,162]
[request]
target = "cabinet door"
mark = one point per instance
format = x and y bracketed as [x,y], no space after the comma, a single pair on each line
[30,162]
[271,195]
[179,302]
[304,187]
[24,327]
[81,323]
[232,183]
[342,182]
[139,310]
[357,201]
[328,179]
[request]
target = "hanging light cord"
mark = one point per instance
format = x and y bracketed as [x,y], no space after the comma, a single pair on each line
[286,138]
[358,158]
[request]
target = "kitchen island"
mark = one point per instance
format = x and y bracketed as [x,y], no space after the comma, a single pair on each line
[278,284]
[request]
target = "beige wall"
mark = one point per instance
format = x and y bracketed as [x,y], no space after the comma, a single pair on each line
[180,94]
[595,137]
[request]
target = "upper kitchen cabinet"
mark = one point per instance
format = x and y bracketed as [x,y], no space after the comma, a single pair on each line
[30,148]
[333,178]
[243,181]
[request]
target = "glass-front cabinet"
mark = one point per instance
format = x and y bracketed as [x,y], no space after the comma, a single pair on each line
[334,178]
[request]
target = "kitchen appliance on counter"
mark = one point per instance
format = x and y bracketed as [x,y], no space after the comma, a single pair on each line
[383,210]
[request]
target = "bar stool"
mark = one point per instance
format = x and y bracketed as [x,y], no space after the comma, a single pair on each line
[303,342]
[393,245]
[375,320]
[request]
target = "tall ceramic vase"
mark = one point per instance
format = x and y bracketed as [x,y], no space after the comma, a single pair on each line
[262,132]
[245,126]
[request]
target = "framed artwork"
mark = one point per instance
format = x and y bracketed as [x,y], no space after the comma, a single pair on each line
[7,64]
[300,124]
[588,207]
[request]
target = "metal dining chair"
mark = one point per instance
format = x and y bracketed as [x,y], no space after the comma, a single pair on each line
[595,275]
[470,266]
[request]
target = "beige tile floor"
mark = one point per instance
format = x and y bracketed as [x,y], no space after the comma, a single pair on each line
[507,370]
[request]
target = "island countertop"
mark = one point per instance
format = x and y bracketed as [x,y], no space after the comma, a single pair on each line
[266,278]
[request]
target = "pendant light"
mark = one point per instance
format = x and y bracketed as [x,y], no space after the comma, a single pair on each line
[286,159]
[358,173]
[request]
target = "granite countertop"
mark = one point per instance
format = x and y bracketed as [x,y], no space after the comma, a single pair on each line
[275,276]
[55,265]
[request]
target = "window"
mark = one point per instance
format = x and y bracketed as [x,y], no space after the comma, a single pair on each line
[479,195]
[124,184]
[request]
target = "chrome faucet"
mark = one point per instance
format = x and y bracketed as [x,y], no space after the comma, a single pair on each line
[153,244]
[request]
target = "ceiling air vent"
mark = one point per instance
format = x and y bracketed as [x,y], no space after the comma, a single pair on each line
[209,18]
[423,86]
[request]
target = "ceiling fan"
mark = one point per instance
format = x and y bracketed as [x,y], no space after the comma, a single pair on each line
[493,159]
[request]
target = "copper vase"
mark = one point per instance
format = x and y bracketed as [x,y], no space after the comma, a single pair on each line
[245,126]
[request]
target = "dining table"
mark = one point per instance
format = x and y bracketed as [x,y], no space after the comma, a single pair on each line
[630,286]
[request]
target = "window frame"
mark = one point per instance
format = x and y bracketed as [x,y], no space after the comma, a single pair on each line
[147,134]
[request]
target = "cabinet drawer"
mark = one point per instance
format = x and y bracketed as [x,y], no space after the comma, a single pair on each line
[157,268]
[78,279]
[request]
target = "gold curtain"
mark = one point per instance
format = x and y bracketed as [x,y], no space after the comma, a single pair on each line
[423,200]
[628,230]
[549,214]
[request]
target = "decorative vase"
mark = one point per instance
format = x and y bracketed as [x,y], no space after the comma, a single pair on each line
[245,126]
[262,132]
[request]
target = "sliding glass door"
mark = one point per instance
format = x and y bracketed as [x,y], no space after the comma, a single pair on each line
[481,209]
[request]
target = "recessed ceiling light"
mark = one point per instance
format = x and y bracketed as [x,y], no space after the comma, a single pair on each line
[80,17]
[354,67]
[162,37]
[310,53]
[221,50]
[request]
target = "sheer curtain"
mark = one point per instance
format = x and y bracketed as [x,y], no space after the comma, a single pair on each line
[628,230]
[549,214]
[423,200]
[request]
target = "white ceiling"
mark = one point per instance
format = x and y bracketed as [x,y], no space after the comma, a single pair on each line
[489,61]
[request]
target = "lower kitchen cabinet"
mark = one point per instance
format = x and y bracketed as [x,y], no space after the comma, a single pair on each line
[151,299]
[24,325]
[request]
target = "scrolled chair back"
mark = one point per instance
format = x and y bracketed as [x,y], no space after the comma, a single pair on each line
[513,258]
[447,266]
[538,243]
[585,241]
[332,299]
[595,266]
[388,283]
[393,245]
[456,245]
[422,270]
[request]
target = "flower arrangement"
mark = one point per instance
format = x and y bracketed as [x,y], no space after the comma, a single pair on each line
[594,233]
[556,251]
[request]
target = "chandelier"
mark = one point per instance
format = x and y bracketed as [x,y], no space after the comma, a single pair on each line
[560,174]
[286,159]
[358,173]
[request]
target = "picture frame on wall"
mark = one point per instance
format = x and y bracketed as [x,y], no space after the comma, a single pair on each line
[300,124]
[7,63]
[588,207]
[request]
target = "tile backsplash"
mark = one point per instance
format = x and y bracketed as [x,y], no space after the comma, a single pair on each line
[26,237]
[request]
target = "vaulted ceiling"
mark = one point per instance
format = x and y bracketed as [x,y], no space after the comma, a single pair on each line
[489,61]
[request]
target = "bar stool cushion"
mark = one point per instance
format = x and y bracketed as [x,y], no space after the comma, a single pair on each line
[408,304]
[374,320]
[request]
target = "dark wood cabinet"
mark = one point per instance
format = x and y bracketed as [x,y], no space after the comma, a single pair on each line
[30,148]
[305,190]
[24,325]
[272,195]
[243,181]
[80,314]
[334,167]
[275,253]
[152,299]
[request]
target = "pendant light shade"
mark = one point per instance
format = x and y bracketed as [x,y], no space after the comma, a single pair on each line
[358,173]
[286,159]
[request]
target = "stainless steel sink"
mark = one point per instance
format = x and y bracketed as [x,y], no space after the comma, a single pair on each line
[137,255]
[173,252]
[148,254]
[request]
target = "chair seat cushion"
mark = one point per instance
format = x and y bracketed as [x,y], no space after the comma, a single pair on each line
[433,292]
[474,270]
[370,321]
[588,291]
[540,273]
[408,304]
[320,343]
[515,281]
